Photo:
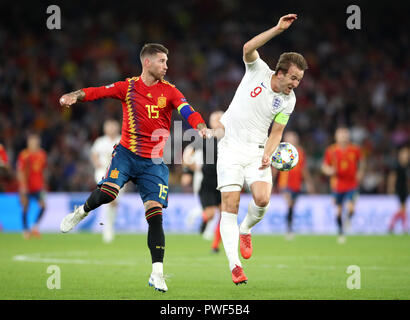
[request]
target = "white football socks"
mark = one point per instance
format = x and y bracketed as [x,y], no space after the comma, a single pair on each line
[230,237]
[158,268]
[110,215]
[254,215]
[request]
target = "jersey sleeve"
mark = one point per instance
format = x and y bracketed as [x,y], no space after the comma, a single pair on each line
[116,90]
[283,116]
[257,66]
[3,156]
[180,103]
[177,98]
[20,165]
[302,158]
[328,157]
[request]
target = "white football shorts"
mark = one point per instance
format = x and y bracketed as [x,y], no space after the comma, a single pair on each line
[238,163]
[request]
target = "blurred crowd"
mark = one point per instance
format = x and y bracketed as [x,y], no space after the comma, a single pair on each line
[358,78]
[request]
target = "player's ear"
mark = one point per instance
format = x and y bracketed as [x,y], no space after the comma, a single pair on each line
[281,73]
[146,62]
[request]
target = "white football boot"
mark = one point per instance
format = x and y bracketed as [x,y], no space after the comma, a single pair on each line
[72,219]
[157,281]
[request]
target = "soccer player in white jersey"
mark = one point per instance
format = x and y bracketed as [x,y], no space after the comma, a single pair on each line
[244,154]
[101,154]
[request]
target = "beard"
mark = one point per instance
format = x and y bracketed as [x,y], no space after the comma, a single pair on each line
[157,75]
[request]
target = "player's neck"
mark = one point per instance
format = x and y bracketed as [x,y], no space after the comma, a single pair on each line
[148,79]
[274,84]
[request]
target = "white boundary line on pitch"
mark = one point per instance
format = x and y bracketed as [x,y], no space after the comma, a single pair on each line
[47,257]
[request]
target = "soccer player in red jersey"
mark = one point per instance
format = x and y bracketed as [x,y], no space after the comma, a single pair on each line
[4,170]
[290,182]
[344,164]
[4,159]
[147,104]
[4,167]
[31,165]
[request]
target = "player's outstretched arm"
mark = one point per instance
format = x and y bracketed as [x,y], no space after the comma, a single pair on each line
[272,143]
[249,49]
[116,90]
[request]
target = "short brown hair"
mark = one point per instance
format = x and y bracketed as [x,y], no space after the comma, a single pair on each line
[152,48]
[286,59]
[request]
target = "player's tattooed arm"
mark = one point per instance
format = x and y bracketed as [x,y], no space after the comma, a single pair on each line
[249,49]
[70,98]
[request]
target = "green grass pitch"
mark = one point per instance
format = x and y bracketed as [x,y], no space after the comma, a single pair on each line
[309,267]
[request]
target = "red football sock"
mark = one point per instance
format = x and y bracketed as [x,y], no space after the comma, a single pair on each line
[217,237]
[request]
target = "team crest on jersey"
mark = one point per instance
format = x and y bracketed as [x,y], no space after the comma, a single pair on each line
[277,102]
[162,102]
[114,174]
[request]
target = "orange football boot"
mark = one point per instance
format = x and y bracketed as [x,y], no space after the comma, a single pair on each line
[238,276]
[36,233]
[245,243]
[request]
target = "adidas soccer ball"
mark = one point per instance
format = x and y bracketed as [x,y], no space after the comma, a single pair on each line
[285,157]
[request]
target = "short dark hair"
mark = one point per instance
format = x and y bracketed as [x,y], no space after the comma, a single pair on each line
[151,48]
[286,59]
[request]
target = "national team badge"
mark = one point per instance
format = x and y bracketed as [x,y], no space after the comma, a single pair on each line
[114,174]
[277,102]
[162,102]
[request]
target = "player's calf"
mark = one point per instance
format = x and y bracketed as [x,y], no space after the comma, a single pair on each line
[102,195]
[156,236]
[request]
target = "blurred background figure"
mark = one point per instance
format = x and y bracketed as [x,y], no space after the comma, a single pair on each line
[192,177]
[398,183]
[31,166]
[101,154]
[344,164]
[5,169]
[290,183]
[209,196]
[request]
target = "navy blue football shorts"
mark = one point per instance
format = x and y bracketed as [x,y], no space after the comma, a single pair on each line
[340,197]
[150,177]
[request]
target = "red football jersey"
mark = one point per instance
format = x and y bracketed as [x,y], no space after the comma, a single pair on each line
[293,179]
[146,110]
[3,155]
[32,164]
[346,162]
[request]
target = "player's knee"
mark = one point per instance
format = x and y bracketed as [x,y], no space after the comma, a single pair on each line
[261,200]
[154,216]
[107,194]
[230,206]
[230,201]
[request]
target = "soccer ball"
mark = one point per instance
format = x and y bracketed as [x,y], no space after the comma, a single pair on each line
[285,157]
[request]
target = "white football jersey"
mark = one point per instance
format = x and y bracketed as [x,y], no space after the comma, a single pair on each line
[103,147]
[255,106]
